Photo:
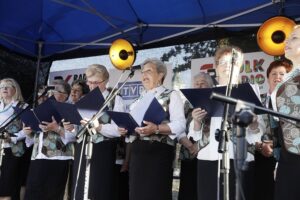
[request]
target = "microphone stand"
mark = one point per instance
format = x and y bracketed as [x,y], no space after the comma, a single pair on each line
[233,101]
[243,117]
[86,133]
[9,120]
[223,138]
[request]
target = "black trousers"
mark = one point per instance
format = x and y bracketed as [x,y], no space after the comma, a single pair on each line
[150,171]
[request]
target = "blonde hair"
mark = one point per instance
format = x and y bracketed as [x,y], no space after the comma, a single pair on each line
[96,69]
[18,94]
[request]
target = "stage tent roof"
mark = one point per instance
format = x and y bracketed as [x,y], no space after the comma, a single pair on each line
[59,29]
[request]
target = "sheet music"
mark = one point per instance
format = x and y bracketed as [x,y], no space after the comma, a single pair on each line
[141,107]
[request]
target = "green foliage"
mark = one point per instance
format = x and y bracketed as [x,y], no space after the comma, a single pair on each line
[190,51]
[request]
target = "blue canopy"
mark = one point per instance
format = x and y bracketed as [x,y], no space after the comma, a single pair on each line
[51,29]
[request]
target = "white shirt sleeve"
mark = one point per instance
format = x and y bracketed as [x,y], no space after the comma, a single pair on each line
[111,129]
[69,136]
[19,136]
[196,135]
[177,118]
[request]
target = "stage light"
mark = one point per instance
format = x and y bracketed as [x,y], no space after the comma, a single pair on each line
[122,54]
[272,34]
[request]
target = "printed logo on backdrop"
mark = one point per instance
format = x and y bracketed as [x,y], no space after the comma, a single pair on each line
[131,90]
[68,75]
[253,70]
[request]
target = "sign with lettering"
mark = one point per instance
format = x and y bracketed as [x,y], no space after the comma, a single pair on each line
[253,70]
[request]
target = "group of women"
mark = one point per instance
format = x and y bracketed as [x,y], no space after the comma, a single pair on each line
[57,167]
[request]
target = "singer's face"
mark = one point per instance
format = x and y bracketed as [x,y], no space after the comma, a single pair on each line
[96,81]
[7,90]
[60,94]
[150,77]
[275,77]
[200,82]
[76,93]
[292,45]
[223,69]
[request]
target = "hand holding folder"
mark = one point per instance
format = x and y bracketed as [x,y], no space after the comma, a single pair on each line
[44,112]
[154,113]
[201,98]
[86,107]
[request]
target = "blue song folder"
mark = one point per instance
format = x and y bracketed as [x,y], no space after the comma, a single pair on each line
[44,112]
[200,98]
[90,104]
[86,107]
[123,120]
[155,114]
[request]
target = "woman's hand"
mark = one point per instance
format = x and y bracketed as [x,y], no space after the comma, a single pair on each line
[122,131]
[198,114]
[27,130]
[147,130]
[68,126]
[267,149]
[49,126]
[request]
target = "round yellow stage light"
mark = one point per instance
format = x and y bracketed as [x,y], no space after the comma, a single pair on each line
[122,54]
[272,34]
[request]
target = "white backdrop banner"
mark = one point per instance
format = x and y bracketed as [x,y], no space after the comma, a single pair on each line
[253,70]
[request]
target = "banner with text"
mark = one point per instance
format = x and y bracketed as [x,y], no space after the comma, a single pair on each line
[253,70]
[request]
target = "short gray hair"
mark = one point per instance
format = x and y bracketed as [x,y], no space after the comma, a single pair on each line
[207,78]
[160,66]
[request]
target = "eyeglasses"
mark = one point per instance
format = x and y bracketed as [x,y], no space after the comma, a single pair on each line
[6,86]
[60,92]
[95,82]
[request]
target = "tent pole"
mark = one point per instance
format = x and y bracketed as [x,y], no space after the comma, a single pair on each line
[35,91]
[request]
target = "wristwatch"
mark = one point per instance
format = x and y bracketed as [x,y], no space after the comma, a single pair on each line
[157,130]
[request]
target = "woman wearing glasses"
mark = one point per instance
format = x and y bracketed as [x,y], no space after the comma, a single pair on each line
[209,159]
[51,155]
[102,174]
[10,96]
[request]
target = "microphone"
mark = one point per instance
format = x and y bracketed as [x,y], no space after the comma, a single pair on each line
[133,69]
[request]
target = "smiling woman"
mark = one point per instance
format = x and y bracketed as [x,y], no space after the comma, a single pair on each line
[152,147]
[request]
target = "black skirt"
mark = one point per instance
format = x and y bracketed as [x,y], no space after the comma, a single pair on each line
[264,177]
[150,171]
[188,180]
[102,184]
[47,179]
[207,180]
[287,177]
[9,174]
